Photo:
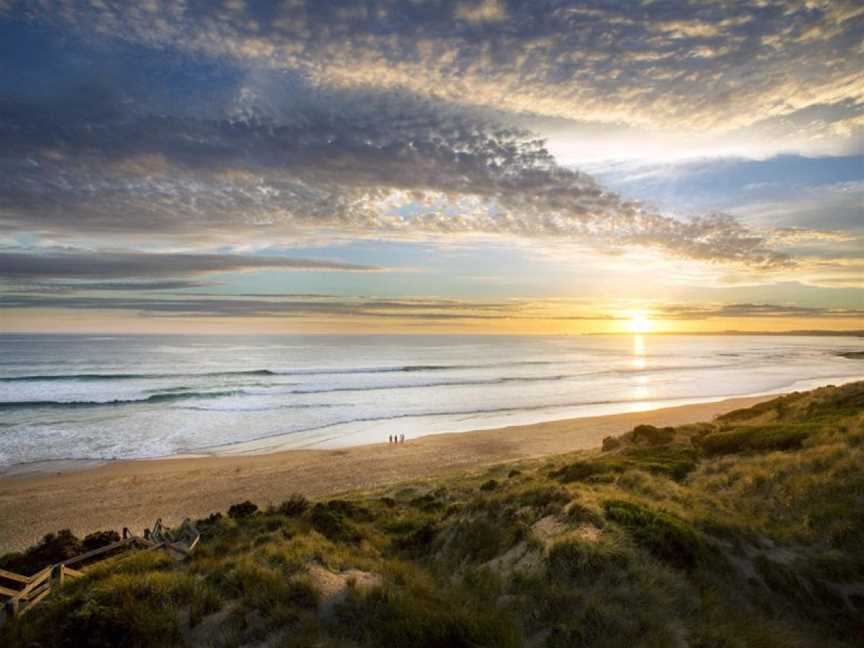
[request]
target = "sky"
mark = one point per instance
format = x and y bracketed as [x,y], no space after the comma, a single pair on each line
[413,166]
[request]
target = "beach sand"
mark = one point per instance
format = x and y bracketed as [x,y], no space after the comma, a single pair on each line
[134,494]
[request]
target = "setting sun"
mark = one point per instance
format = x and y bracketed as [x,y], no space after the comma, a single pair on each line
[639,323]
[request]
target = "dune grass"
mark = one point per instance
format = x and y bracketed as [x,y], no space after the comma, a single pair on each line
[741,532]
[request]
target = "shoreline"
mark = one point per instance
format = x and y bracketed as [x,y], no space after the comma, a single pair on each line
[134,493]
[362,429]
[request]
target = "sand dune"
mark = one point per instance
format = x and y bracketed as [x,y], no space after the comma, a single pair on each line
[135,493]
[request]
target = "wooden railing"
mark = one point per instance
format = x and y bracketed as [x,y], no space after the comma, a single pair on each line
[33,589]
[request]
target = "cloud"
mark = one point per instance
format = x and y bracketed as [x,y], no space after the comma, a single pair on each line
[280,160]
[284,307]
[57,287]
[121,265]
[689,312]
[293,306]
[687,64]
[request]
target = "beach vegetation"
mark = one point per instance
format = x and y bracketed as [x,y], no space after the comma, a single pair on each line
[242,510]
[294,506]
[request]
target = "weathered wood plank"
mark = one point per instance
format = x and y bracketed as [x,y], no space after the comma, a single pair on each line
[97,552]
[35,601]
[72,573]
[36,580]
[13,576]
[36,592]
[5,591]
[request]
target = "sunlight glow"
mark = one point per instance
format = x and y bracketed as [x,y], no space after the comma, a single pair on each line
[639,323]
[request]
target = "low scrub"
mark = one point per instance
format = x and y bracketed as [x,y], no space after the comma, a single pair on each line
[674,461]
[331,523]
[422,618]
[667,537]
[763,438]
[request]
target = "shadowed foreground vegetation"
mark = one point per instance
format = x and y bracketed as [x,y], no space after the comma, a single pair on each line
[743,532]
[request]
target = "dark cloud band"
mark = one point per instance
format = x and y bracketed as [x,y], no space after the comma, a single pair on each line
[117,265]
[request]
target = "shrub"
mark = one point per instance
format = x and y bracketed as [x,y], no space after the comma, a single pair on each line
[484,537]
[242,510]
[582,470]
[489,485]
[665,536]
[99,539]
[428,503]
[580,514]
[418,542]
[653,435]
[514,473]
[611,443]
[422,618]
[544,497]
[765,438]
[674,461]
[53,548]
[583,560]
[349,509]
[329,523]
[295,506]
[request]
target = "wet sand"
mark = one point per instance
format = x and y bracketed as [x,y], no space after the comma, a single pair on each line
[134,493]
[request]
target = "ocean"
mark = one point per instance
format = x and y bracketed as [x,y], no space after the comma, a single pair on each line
[91,397]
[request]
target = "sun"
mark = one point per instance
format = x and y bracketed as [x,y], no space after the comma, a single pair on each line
[639,323]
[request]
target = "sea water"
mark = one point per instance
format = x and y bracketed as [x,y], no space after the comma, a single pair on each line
[79,397]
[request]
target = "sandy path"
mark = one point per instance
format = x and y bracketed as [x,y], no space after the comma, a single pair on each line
[135,493]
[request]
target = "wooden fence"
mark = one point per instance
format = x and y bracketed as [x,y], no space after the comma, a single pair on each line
[24,592]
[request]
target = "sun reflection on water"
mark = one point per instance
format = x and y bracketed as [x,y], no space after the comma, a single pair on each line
[638,361]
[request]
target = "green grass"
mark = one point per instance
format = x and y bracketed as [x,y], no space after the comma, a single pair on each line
[745,531]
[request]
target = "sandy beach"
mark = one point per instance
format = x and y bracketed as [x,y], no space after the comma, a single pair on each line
[134,493]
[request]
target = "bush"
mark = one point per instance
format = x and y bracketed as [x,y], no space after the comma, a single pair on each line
[583,560]
[543,497]
[489,485]
[674,461]
[765,438]
[483,537]
[349,509]
[582,470]
[611,443]
[99,539]
[331,525]
[295,506]
[422,618]
[242,510]
[653,436]
[53,548]
[427,503]
[579,514]
[665,536]
[418,542]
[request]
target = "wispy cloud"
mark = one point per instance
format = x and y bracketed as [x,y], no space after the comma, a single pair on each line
[116,265]
[734,311]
